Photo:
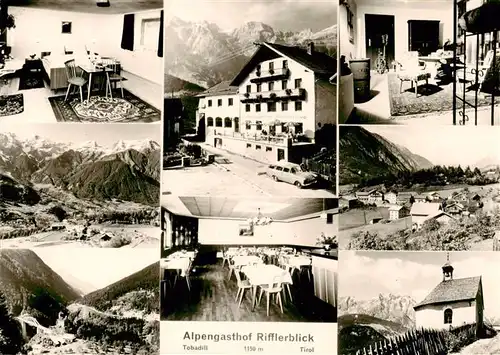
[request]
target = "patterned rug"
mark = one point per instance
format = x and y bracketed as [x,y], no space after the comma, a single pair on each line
[101,109]
[31,81]
[431,98]
[11,105]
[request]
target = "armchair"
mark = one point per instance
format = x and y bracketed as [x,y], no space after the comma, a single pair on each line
[488,77]
[410,69]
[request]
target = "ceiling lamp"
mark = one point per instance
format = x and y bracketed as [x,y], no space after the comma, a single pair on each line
[102,3]
[260,220]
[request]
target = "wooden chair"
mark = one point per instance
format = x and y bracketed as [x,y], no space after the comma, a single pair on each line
[243,285]
[188,274]
[114,77]
[232,268]
[75,77]
[273,289]
[287,287]
[225,258]
[410,69]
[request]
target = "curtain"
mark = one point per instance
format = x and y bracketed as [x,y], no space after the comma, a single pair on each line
[160,37]
[128,32]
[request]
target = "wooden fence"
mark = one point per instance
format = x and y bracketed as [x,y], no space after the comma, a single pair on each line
[414,342]
[325,169]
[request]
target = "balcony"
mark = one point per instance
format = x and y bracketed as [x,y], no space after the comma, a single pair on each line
[278,95]
[260,76]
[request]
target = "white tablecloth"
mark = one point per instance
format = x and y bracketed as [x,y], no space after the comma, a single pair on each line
[264,274]
[242,260]
[178,261]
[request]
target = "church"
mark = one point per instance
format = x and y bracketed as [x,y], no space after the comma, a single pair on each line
[452,303]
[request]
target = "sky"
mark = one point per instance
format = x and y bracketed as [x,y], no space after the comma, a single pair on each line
[90,269]
[103,134]
[365,275]
[284,15]
[445,145]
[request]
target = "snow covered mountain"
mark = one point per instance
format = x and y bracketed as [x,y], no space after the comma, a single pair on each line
[203,54]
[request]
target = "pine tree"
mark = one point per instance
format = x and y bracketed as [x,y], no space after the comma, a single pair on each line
[11,340]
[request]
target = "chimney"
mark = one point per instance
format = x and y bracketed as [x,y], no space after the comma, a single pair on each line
[310,48]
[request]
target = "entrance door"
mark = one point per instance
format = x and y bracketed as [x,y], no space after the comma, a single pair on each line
[376,28]
[201,128]
[281,154]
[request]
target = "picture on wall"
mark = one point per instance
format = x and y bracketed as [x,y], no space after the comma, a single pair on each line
[66,27]
[246,230]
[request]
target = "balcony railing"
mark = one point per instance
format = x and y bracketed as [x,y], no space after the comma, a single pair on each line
[278,95]
[269,75]
[282,139]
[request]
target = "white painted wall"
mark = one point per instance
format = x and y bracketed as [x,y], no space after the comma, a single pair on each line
[223,111]
[346,47]
[417,11]
[306,115]
[432,316]
[39,30]
[303,232]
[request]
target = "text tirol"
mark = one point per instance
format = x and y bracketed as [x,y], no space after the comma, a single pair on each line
[270,337]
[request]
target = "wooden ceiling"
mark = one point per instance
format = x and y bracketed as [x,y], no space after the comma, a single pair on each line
[89,6]
[277,208]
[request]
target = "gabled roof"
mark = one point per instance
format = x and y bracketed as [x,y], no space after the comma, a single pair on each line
[450,291]
[441,213]
[222,88]
[320,63]
[425,208]
[405,194]
[395,208]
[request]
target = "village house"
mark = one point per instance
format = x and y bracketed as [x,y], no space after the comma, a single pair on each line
[391,197]
[421,211]
[434,196]
[375,197]
[347,201]
[404,198]
[363,196]
[397,212]
[421,198]
[442,217]
[454,208]
[274,106]
[452,303]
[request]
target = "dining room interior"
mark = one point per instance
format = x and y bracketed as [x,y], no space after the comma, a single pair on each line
[81,61]
[255,259]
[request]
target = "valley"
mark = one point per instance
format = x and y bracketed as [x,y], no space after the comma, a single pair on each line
[86,194]
[122,318]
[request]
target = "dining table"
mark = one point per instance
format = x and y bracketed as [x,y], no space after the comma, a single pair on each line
[262,274]
[242,260]
[96,69]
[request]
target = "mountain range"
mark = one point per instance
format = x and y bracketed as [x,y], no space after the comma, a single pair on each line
[367,155]
[126,170]
[201,53]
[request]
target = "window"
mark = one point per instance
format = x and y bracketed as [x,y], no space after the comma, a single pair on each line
[249,88]
[150,28]
[270,86]
[257,107]
[248,126]
[219,102]
[284,105]
[209,103]
[271,107]
[210,122]
[227,122]
[298,105]
[284,84]
[257,147]
[218,122]
[269,149]
[298,83]
[271,66]
[236,124]
[258,126]
[448,316]
[259,87]
[247,108]
[271,166]
[329,218]
[249,145]
[286,170]
[230,102]
[285,64]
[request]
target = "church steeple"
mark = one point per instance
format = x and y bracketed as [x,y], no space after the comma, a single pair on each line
[447,269]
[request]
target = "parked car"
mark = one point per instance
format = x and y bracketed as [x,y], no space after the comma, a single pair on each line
[292,174]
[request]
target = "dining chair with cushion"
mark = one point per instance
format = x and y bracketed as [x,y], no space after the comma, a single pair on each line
[243,285]
[272,289]
[76,78]
[409,68]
